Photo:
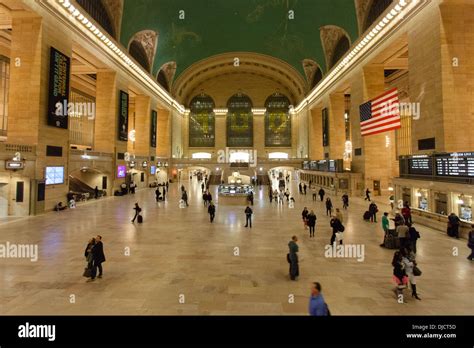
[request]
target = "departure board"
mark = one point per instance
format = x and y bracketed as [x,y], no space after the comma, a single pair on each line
[456,164]
[420,165]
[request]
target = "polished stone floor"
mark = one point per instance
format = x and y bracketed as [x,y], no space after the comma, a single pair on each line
[178,252]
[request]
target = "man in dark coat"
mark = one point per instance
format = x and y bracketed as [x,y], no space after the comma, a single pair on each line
[98,257]
[321,194]
[212,211]
[248,216]
[293,258]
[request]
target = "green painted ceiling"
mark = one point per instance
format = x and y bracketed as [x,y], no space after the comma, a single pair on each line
[212,27]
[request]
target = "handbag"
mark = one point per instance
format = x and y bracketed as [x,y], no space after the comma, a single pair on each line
[339,236]
[416,271]
[87,272]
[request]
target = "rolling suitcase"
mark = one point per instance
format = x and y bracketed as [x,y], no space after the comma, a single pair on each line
[367,215]
[140,219]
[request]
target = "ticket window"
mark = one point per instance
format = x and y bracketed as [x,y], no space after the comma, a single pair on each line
[463,206]
[422,199]
[441,203]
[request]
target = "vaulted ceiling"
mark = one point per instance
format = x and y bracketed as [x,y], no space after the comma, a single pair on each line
[212,27]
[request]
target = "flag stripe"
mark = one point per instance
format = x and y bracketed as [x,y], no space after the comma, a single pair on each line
[382,129]
[380,124]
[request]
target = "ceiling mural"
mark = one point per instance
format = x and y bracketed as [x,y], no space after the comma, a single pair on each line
[192,30]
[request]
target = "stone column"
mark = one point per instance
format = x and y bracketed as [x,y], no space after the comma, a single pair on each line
[337,133]
[142,125]
[316,149]
[163,143]
[105,130]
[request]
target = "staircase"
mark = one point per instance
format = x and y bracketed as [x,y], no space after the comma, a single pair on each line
[78,187]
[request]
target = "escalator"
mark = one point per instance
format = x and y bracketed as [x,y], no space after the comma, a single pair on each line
[80,188]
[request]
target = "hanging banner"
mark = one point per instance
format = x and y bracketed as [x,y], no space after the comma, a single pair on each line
[123,116]
[58,92]
[325,127]
[154,117]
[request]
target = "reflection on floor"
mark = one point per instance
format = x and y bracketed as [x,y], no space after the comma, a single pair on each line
[178,252]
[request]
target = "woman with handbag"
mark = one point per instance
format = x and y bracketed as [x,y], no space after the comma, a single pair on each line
[399,276]
[409,262]
[89,258]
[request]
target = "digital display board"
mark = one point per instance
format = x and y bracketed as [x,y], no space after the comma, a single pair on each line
[420,165]
[152,170]
[455,164]
[121,171]
[54,175]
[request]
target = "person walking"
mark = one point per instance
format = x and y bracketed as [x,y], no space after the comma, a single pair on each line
[304,215]
[385,227]
[270,194]
[157,194]
[184,197]
[399,276]
[96,192]
[328,206]
[367,195]
[317,304]
[313,190]
[409,263]
[413,236]
[248,216]
[453,225]
[406,213]
[373,209]
[402,232]
[470,243]
[98,257]
[164,193]
[304,188]
[212,211]
[202,187]
[337,227]
[345,201]
[89,257]
[300,186]
[321,194]
[293,258]
[311,223]
[137,211]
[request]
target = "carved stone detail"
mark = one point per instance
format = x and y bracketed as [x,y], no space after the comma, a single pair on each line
[330,36]
[148,39]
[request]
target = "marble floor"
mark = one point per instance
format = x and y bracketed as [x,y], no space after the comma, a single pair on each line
[177,256]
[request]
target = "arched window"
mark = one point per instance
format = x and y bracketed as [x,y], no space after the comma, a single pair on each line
[162,80]
[239,121]
[341,48]
[202,122]
[376,9]
[277,121]
[97,10]
[318,76]
[138,52]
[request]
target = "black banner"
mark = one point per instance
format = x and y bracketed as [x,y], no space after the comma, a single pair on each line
[59,70]
[123,116]
[325,119]
[429,331]
[154,119]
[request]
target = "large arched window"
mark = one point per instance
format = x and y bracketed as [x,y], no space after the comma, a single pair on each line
[162,80]
[277,121]
[376,9]
[138,52]
[317,77]
[97,10]
[239,121]
[341,48]
[202,122]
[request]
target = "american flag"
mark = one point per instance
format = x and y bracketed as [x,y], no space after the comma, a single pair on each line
[381,114]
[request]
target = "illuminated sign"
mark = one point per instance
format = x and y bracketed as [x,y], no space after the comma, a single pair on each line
[13,165]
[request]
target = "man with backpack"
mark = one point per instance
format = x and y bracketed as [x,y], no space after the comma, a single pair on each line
[137,212]
[212,211]
[337,227]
